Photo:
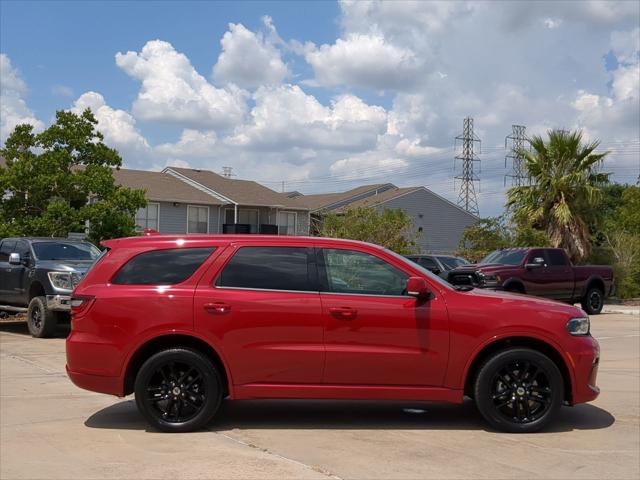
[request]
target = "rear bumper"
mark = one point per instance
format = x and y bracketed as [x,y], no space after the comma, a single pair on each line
[96,383]
[93,365]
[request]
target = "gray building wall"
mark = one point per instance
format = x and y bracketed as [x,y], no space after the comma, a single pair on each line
[173,219]
[442,222]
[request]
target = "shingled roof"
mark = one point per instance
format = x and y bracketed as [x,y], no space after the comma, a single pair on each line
[379,198]
[242,192]
[326,200]
[162,187]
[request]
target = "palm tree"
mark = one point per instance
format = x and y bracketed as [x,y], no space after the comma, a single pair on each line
[565,188]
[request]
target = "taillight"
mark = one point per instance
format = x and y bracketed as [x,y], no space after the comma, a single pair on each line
[81,303]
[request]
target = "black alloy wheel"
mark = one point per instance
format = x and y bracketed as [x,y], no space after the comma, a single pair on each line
[593,301]
[178,390]
[519,390]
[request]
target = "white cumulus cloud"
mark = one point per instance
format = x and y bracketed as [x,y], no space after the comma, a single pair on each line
[248,59]
[13,107]
[173,91]
[117,126]
[364,60]
[285,117]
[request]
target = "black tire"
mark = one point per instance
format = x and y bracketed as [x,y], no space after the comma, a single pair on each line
[529,405]
[41,321]
[514,288]
[593,301]
[178,390]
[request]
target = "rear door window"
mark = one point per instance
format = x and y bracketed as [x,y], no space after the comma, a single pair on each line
[270,268]
[162,267]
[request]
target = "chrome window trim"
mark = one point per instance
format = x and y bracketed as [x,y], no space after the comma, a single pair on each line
[222,287]
[367,295]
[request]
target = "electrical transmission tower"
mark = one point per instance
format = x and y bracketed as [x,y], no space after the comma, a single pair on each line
[467,197]
[227,172]
[519,175]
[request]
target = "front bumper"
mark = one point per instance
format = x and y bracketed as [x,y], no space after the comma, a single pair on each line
[59,303]
[585,362]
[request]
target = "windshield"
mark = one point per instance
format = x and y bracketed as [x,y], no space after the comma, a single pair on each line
[452,262]
[65,251]
[426,272]
[505,257]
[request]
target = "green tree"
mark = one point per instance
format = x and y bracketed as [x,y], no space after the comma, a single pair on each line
[621,231]
[494,233]
[566,187]
[390,228]
[483,237]
[61,181]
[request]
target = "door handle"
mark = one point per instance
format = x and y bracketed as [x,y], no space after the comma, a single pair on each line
[343,313]
[217,308]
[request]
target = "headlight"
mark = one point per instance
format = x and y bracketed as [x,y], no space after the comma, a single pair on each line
[64,280]
[489,280]
[578,326]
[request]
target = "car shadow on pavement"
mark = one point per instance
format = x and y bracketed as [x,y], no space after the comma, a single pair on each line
[341,415]
[19,327]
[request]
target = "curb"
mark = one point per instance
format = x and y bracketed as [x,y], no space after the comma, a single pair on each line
[635,312]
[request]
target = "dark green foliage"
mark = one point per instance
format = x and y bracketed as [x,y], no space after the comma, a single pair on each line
[61,181]
[389,228]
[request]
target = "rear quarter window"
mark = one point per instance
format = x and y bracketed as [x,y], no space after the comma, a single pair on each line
[162,267]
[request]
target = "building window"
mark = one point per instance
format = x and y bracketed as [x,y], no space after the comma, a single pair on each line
[148,217]
[245,216]
[198,219]
[287,223]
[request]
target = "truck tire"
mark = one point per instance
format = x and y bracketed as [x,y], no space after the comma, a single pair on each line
[40,320]
[593,301]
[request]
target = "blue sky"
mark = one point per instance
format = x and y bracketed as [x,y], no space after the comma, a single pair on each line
[327,95]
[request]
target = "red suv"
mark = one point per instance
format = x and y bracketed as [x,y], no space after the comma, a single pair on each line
[185,321]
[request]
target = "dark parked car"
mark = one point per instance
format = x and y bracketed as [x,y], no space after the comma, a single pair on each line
[545,272]
[37,276]
[438,264]
[186,321]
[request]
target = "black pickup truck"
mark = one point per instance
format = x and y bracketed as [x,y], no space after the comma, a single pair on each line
[37,276]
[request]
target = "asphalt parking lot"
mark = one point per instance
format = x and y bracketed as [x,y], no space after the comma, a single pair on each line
[51,429]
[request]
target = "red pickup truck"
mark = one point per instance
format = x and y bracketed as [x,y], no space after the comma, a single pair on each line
[545,272]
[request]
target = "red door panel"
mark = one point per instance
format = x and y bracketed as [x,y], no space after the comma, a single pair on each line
[385,340]
[267,336]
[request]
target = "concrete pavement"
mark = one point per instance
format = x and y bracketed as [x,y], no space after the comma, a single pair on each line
[51,429]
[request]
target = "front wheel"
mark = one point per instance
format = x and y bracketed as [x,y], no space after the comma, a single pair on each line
[593,301]
[40,320]
[518,390]
[178,390]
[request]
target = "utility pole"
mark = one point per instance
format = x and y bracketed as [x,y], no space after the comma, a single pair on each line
[227,172]
[519,175]
[467,197]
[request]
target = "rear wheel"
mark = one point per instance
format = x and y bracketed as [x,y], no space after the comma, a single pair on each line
[518,390]
[178,390]
[593,301]
[40,320]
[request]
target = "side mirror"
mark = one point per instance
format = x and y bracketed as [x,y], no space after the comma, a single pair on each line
[417,287]
[14,259]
